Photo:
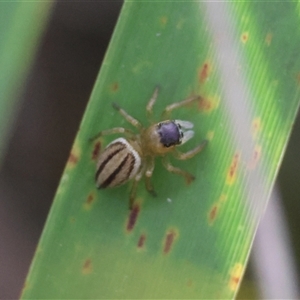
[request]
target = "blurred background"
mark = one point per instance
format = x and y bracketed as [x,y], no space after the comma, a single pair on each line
[61,79]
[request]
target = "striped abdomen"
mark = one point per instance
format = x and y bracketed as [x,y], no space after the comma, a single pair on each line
[118,163]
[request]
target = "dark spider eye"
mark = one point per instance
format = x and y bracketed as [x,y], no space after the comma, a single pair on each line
[169,134]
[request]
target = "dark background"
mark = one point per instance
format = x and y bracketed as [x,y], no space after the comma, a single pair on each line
[60,80]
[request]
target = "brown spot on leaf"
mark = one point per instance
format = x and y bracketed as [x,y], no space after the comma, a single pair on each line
[74,156]
[213,213]
[189,283]
[245,37]
[236,276]
[215,209]
[169,240]
[141,241]
[255,158]
[89,201]
[73,159]
[87,267]
[204,72]
[114,87]
[96,151]
[231,174]
[205,104]
[163,20]
[133,215]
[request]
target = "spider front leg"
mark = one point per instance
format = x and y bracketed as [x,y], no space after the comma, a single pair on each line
[188,177]
[187,155]
[128,133]
[167,111]
[127,116]
[149,107]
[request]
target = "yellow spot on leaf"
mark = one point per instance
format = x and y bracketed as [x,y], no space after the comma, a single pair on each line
[245,37]
[256,127]
[231,174]
[74,156]
[208,104]
[269,38]
[215,209]
[163,20]
[235,276]
[210,135]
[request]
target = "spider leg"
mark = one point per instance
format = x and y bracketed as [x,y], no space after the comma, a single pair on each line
[134,186]
[167,111]
[148,175]
[188,177]
[149,107]
[126,116]
[115,130]
[132,194]
[186,155]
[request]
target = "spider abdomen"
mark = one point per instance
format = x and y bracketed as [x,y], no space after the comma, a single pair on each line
[118,163]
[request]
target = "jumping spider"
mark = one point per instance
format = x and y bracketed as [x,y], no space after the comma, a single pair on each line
[134,156]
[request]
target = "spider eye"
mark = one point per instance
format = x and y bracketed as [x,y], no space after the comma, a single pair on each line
[169,133]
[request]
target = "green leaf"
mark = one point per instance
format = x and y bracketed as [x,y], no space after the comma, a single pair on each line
[21,24]
[191,241]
